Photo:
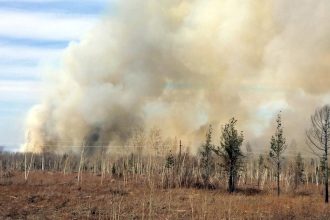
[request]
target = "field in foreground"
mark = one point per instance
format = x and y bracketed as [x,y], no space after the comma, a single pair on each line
[55,196]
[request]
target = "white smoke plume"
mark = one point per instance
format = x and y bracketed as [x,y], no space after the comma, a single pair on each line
[182,64]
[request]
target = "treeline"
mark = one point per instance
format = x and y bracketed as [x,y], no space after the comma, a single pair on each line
[215,166]
[174,170]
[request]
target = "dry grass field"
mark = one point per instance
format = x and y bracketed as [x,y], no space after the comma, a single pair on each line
[50,195]
[164,109]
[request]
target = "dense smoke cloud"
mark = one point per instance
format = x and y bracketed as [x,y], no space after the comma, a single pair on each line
[179,65]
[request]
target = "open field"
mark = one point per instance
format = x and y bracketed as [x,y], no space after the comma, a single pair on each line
[164,109]
[50,195]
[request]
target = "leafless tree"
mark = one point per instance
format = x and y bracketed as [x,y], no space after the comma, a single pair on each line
[27,168]
[138,139]
[155,140]
[318,137]
[81,163]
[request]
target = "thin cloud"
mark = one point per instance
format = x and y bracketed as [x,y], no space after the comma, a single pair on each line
[19,91]
[19,72]
[59,6]
[44,25]
[22,52]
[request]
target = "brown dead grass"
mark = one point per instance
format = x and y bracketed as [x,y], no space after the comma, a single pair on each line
[55,196]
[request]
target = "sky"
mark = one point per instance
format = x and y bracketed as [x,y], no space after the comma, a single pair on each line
[82,70]
[33,34]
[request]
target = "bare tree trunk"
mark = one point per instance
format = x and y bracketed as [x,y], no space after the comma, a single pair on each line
[317,175]
[65,164]
[80,165]
[264,179]
[27,169]
[43,162]
[326,182]
[103,167]
[278,178]
[231,180]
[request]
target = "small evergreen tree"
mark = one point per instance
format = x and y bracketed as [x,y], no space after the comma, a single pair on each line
[206,157]
[299,170]
[277,148]
[230,152]
[170,160]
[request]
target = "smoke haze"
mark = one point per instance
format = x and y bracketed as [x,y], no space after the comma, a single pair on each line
[180,65]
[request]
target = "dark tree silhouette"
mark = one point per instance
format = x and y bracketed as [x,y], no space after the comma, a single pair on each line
[318,137]
[230,152]
[299,170]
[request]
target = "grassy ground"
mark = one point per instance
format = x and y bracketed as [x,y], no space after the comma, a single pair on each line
[55,196]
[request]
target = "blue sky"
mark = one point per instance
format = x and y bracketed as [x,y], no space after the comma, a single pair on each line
[33,34]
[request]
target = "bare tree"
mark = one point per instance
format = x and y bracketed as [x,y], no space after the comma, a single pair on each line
[261,169]
[155,140]
[277,148]
[138,139]
[249,171]
[81,163]
[318,137]
[27,168]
